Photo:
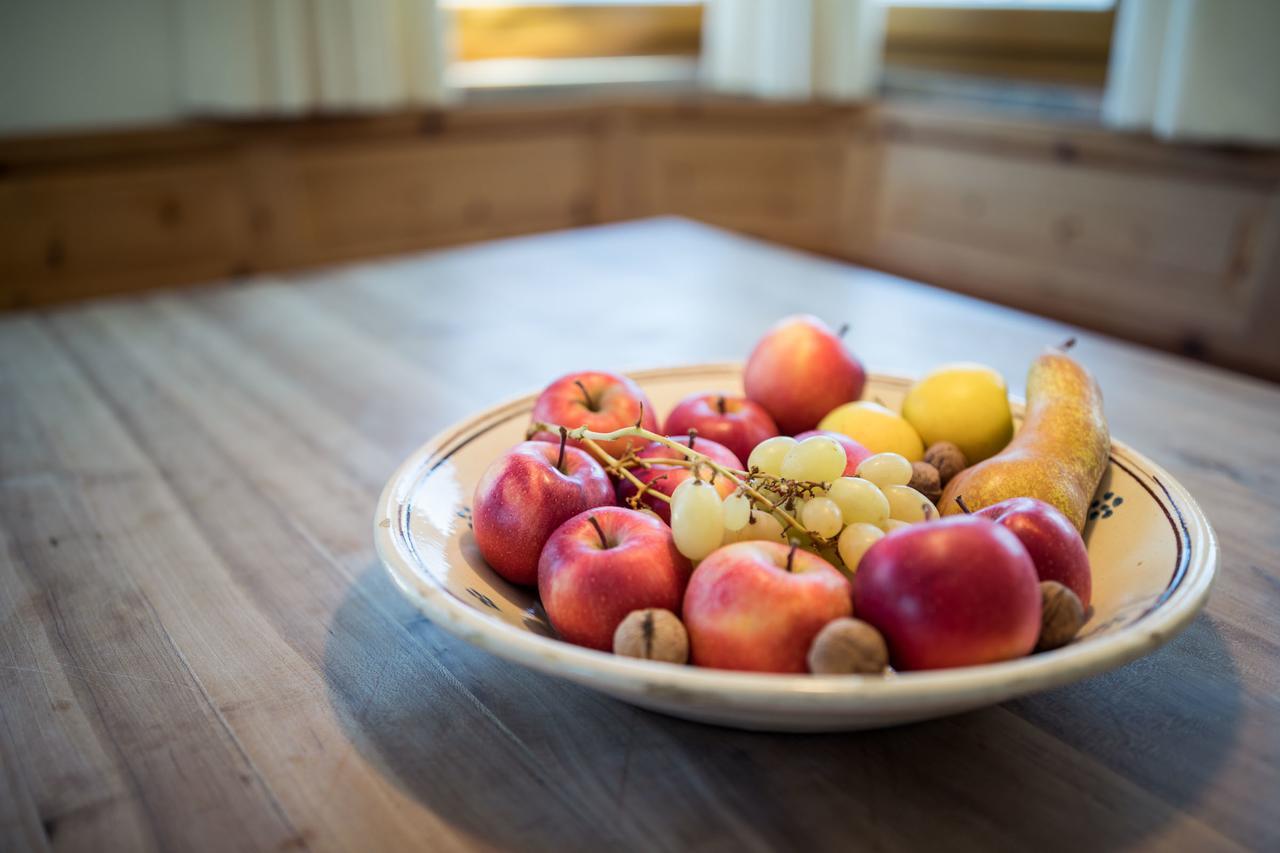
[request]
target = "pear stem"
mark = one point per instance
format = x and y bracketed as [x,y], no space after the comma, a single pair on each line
[964,506]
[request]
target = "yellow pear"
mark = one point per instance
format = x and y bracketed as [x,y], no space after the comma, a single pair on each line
[1060,453]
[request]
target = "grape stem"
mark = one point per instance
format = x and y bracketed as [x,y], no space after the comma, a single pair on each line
[589,438]
[615,466]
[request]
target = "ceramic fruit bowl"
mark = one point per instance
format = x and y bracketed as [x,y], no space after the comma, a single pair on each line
[1152,551]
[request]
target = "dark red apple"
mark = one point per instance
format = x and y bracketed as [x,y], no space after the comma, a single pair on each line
[665,478]
[854,452]
[524,495]
[604,563]
[736,422]
[1055,546]
[599,401]
[957,592]
[801,370]
[758,605]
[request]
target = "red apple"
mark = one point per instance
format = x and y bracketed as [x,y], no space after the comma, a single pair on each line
[665,478]
[854,452]
[1055,546]
[524,495]
[758,605]
[604,563]
[736,422]
[597,400]
[957,592]
[801,370]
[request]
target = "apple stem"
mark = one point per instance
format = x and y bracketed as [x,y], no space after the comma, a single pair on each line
[693,436]
[720,403]
[586,395]
[844,330]
[640,418]
[791,555]
[604,543]
[564,439]
[964,506]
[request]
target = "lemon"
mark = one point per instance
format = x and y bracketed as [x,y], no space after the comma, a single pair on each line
[876,428]
[966,404]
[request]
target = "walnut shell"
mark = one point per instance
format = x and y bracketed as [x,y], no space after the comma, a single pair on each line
[926,480]
[847,647]
[1061,616]
[652,634]
[947,458]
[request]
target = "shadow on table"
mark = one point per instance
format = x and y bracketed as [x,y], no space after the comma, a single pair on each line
[514,758]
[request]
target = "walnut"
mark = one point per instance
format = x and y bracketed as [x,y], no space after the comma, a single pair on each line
[926,481]
[1061,616]
[947,458]
[848,646]
[652,634]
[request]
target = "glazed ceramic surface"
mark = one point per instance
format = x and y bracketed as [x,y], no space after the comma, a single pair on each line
[1152,550]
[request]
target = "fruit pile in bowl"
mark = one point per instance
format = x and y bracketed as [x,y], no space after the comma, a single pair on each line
[797,527]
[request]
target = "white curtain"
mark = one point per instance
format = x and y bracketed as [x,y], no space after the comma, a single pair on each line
[1204,70]
[272,57]
[793,49]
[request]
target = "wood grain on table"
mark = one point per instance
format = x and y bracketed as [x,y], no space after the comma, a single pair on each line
[199,650]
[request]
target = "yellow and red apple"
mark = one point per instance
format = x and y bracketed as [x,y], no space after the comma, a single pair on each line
[801,370]
[601,565]
[758,605]
[524,495]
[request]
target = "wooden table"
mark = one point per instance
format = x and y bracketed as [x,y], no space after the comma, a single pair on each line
[199,650]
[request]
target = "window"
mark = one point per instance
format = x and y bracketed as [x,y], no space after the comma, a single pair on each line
[501,44]
[1046,54]
[1033,55]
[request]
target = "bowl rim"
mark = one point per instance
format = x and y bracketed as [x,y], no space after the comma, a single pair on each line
[1197,562]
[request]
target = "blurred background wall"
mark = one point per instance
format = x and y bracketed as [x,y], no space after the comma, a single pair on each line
[82,64]
[1114,165]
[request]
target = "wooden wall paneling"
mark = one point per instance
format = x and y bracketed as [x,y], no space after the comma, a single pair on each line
[1171,245]
[775,181]
[617,165]
[1258,350]
[1153,255]
[112,228]
[396,196]
[273,221]
[862,148]
[1082,143]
